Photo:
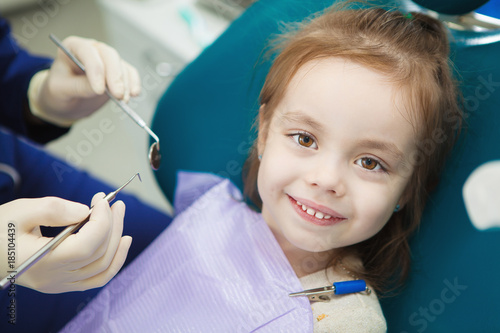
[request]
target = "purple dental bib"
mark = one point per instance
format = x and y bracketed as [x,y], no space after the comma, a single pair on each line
[216,268]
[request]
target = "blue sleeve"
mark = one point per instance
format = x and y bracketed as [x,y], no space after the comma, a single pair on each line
[16,69]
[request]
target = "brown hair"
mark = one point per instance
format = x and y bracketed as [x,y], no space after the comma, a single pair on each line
[412,50]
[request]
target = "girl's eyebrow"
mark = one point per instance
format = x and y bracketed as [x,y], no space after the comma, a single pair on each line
[303,118]
[383,146]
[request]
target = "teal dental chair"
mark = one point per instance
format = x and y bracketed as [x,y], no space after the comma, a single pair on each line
[204,122]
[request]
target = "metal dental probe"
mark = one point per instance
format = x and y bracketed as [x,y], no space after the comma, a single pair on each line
[12,275]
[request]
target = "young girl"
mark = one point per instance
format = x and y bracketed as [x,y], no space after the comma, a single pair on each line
[357,115]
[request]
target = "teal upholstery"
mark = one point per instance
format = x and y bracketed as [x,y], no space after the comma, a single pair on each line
[452,287]
[204,123]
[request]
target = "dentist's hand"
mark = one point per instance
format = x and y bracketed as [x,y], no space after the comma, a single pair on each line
[85,260]
[64,94]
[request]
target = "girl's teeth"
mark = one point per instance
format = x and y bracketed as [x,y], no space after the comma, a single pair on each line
[312,212]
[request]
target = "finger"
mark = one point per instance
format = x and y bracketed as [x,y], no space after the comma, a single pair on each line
[97,197]
[105,276]
[91,241]
[90,268]
[113,70]
[86,51]
[126,83]
[134,80]
[31,243]
[48,211]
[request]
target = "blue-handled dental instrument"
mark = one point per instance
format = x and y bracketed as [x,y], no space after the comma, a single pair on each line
[337,288]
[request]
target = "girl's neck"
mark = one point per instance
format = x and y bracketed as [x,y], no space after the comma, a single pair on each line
[303,262]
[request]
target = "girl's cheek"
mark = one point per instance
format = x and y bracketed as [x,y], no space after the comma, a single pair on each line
[375,201]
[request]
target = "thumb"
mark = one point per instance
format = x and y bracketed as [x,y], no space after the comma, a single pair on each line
[49,211]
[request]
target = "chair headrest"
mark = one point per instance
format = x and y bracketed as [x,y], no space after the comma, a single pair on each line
[456,7]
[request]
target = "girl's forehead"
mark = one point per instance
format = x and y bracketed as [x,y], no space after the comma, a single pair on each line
[339,70]
[349,85]
[339,83]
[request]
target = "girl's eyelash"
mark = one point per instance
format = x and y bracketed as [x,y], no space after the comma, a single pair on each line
[379,163]
[383,168]
[306,135]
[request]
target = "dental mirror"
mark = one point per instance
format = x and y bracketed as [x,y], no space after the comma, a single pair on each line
[154,155]
[154,150]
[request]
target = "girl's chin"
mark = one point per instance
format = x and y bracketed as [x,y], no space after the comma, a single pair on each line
[313,245]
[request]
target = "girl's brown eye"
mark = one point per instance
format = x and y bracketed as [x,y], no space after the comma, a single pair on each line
[368,163]
[305,140]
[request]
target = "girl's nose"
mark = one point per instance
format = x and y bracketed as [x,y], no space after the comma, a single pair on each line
[327,174]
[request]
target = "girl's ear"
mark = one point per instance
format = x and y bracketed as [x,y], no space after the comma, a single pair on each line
[263,128]
[405,198]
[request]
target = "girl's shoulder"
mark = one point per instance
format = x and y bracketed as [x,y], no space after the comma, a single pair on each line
[359,312]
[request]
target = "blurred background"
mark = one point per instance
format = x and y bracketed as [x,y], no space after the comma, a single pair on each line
[158,37]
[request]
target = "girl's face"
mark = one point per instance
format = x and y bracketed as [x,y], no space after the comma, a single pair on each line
[333,157]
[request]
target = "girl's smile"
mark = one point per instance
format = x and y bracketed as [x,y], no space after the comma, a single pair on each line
[329,175]
[316,214]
